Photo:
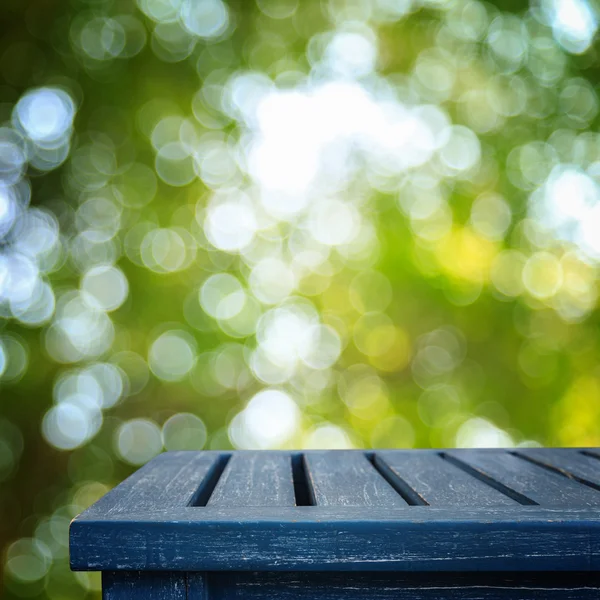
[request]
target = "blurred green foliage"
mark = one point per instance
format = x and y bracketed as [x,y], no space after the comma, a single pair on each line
[286,223]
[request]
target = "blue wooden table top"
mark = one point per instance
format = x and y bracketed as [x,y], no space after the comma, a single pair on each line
[388,510]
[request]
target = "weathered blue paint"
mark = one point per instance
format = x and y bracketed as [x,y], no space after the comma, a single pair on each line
[393,586]
[142,585]
[335,524]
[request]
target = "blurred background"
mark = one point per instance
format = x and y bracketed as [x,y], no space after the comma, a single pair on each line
[286,224]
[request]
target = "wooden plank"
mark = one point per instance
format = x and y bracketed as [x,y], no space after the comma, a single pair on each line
[143,585]
[436,481]
[329,539]
[339,478]
[528,480]
[197,587]
[569,462]
[350,586]
[170,480]
[255,479]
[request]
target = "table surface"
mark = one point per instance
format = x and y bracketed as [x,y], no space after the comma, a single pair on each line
[528,509]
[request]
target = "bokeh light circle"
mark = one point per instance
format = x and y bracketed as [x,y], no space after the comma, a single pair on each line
[138,440]
[172,355]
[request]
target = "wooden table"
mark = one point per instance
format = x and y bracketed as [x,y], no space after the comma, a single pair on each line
[352,525]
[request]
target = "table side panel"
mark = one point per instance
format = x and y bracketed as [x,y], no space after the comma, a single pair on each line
[394,586]
[425,544]
[144,585]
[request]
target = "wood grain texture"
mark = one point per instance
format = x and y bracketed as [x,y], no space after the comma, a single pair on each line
[361,524]
[255,479]
[314,538]
[138,585]
[339,478]
[197,586]
[570,463]
[468,586]
[438,482]
[170,480]
[538,484]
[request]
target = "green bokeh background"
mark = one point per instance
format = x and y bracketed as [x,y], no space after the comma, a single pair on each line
[452,301]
